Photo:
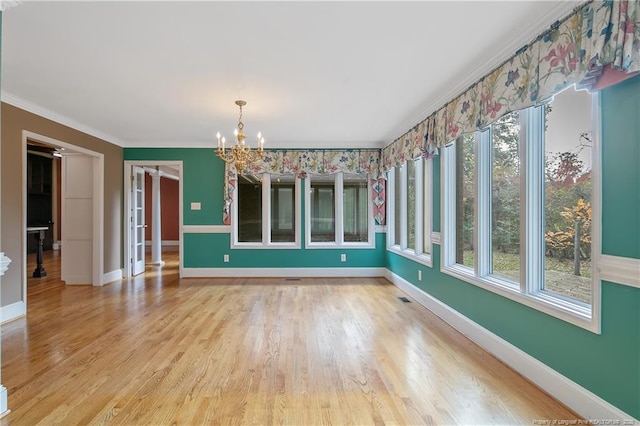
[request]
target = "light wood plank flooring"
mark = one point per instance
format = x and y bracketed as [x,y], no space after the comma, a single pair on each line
[159,350]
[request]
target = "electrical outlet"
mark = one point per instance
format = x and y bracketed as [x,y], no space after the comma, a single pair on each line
[419,275]
[343,257]
[226,258]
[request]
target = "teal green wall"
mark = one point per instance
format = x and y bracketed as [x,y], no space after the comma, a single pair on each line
[206,251]
[607,364]
[621,162]
[202,175]
[203,181]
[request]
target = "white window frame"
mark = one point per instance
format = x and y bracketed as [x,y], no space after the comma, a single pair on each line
[339,218]
[424,217]
[266,220]
[530,291]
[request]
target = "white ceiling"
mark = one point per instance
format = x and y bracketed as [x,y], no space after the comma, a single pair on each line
[314,74]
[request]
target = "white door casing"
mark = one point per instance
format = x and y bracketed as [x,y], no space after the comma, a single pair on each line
[137,220]
[129,176]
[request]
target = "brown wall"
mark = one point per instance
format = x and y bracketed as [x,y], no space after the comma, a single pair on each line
[168,208]
[14,121]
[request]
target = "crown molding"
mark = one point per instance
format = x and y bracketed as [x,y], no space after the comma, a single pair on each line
[8,4]
[526,36]
[269,145]
[36,109]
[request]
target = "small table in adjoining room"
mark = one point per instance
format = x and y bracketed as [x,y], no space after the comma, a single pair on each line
[39,234]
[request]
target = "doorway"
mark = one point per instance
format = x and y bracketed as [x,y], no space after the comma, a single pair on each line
[81,180]
[142,215]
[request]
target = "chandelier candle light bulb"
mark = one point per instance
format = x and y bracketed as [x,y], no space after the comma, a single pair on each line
[240,155]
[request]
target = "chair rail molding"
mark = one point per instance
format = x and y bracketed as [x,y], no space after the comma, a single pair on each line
[4,263]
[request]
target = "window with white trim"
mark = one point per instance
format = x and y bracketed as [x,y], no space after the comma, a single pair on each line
[410,209]
[517,215]
[267,213]
[338,211]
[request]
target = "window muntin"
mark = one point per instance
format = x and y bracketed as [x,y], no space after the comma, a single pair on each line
[531,283]
[339,211]
[266,212]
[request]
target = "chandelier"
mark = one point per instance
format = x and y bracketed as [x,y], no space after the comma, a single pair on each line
[240,154]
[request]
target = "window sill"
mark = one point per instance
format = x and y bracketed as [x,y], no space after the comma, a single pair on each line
[365,245]
[424,259]
[572,313]
[261,246]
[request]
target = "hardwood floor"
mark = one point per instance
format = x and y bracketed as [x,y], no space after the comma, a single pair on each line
[155,349]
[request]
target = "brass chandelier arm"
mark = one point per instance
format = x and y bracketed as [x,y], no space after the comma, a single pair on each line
[240,155]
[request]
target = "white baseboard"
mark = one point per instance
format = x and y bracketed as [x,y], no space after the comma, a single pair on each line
[282,272]
[164,243]
[12,311]
[76,280]
[3,402]
[582,401]
[112,276]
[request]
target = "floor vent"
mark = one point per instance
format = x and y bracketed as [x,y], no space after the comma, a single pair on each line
[292,279]
[404,299]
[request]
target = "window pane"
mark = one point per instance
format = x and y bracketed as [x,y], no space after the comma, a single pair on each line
[397,206]
[249,194]
[505,197]
[411,204]
[426,206]
[322,209]
[568,195]
[465,199]
[282,209]
[356,208]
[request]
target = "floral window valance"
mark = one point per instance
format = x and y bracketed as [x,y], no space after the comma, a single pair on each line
[574,51]
[303,163]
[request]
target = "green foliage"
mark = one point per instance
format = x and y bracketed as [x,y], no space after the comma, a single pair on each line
[505,186]
[567,195]
[568,204]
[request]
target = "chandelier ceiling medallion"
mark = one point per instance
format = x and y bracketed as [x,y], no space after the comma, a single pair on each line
[240,154]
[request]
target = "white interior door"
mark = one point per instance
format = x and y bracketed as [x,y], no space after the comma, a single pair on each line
[77,219]
[137,221]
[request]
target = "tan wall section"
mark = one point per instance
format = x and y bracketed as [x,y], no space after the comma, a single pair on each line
[14,121]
